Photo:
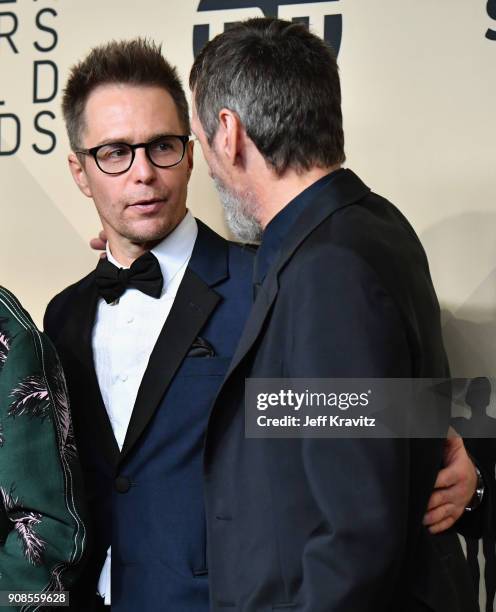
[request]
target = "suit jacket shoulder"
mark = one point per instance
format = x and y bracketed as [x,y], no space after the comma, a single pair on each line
[370,242]
[375,232]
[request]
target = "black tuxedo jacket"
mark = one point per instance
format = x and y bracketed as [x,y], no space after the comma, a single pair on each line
[333,525]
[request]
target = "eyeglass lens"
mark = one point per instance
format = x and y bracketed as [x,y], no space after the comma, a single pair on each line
[118,157]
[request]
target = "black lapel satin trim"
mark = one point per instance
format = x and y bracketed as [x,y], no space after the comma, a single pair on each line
[266,296]
[209,259]
[193,305]
[345,189]
[80,335]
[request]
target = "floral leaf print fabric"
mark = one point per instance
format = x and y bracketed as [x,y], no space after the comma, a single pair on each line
[31,398]
[62,414]
[4,342]
[43,534]
[24,523]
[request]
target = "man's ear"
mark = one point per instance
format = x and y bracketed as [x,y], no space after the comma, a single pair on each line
[189,156]
[79,174]
[230,136]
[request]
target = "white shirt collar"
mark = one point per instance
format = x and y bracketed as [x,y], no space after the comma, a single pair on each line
[173,251]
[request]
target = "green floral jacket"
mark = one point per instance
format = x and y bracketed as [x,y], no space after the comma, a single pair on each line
[42,532]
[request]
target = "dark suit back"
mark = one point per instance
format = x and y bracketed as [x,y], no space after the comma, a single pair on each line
[333,524]
[147,501]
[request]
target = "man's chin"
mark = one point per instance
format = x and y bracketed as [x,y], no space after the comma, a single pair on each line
[143,236]
[241,224]
[246,233]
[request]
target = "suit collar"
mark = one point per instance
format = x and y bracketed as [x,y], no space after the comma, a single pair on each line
[344,189]
[209,260]
[275,234]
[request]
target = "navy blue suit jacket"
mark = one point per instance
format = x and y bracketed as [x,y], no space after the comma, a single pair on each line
[147,501]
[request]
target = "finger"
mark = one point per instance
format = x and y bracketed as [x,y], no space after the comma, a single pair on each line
[97,244]
[441,526]
[428,520]
[439,498]
[450,511]
[102,235]
[447,477]
[439,514]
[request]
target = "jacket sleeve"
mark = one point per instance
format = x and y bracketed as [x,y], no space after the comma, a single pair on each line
[40,483]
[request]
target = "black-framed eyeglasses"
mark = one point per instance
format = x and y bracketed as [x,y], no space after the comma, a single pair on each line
[117,157]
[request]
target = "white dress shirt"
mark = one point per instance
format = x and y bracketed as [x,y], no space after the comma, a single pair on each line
[125,333]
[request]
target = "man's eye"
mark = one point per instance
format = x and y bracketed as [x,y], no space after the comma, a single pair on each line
[118,152]
[162,146]
[113,152]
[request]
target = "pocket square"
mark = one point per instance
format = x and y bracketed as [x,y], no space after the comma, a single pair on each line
[201,348]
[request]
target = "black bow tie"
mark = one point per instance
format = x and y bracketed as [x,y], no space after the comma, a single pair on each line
[144,275]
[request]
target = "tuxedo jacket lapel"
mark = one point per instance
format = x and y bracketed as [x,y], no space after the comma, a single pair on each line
[79,334]
[192,306]
[194,303]
[258,313]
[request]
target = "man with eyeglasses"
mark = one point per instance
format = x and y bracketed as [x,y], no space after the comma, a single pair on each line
[146,338]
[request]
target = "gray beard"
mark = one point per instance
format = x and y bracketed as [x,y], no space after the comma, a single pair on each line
[238,213]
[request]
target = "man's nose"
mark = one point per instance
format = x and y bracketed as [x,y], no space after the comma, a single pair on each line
[143,171]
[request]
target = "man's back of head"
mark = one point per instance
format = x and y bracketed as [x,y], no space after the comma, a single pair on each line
[283,83]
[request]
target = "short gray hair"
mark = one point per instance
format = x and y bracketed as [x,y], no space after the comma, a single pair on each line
[283,83]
